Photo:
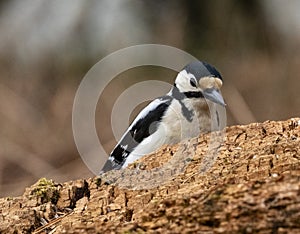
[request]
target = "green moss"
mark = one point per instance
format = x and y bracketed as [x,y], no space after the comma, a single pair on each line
[98,181]
[46,190]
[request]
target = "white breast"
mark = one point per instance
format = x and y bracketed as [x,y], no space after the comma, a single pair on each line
[179,128]
[174,128]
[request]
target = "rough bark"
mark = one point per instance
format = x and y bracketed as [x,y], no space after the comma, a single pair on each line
[253,186]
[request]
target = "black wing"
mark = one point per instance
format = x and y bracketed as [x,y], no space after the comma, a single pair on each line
[145,124]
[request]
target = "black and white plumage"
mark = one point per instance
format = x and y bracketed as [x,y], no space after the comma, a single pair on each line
[180,114]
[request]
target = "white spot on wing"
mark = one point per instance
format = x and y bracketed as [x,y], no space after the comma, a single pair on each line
[124,147]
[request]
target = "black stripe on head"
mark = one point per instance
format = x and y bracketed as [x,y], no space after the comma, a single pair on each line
[213,70]
[179,96]
[201,69]
[194,94]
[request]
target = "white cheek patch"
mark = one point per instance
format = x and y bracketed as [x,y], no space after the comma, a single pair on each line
[210,82]
[184,74]
[190,75]
[187,76]
[183,81]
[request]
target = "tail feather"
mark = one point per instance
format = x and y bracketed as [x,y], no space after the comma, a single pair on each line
[110,165]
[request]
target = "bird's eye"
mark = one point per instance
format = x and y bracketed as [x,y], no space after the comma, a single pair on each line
[193,82]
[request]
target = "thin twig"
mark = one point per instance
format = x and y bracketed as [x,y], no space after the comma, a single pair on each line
[51,223]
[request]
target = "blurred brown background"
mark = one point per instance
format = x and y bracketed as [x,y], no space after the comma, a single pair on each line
[46,47]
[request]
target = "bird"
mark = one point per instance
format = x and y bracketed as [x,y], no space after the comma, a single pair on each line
[182,113]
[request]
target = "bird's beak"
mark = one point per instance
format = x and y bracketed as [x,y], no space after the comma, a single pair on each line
[214,96]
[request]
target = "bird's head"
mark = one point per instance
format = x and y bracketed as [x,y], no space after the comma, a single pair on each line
[200,79]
